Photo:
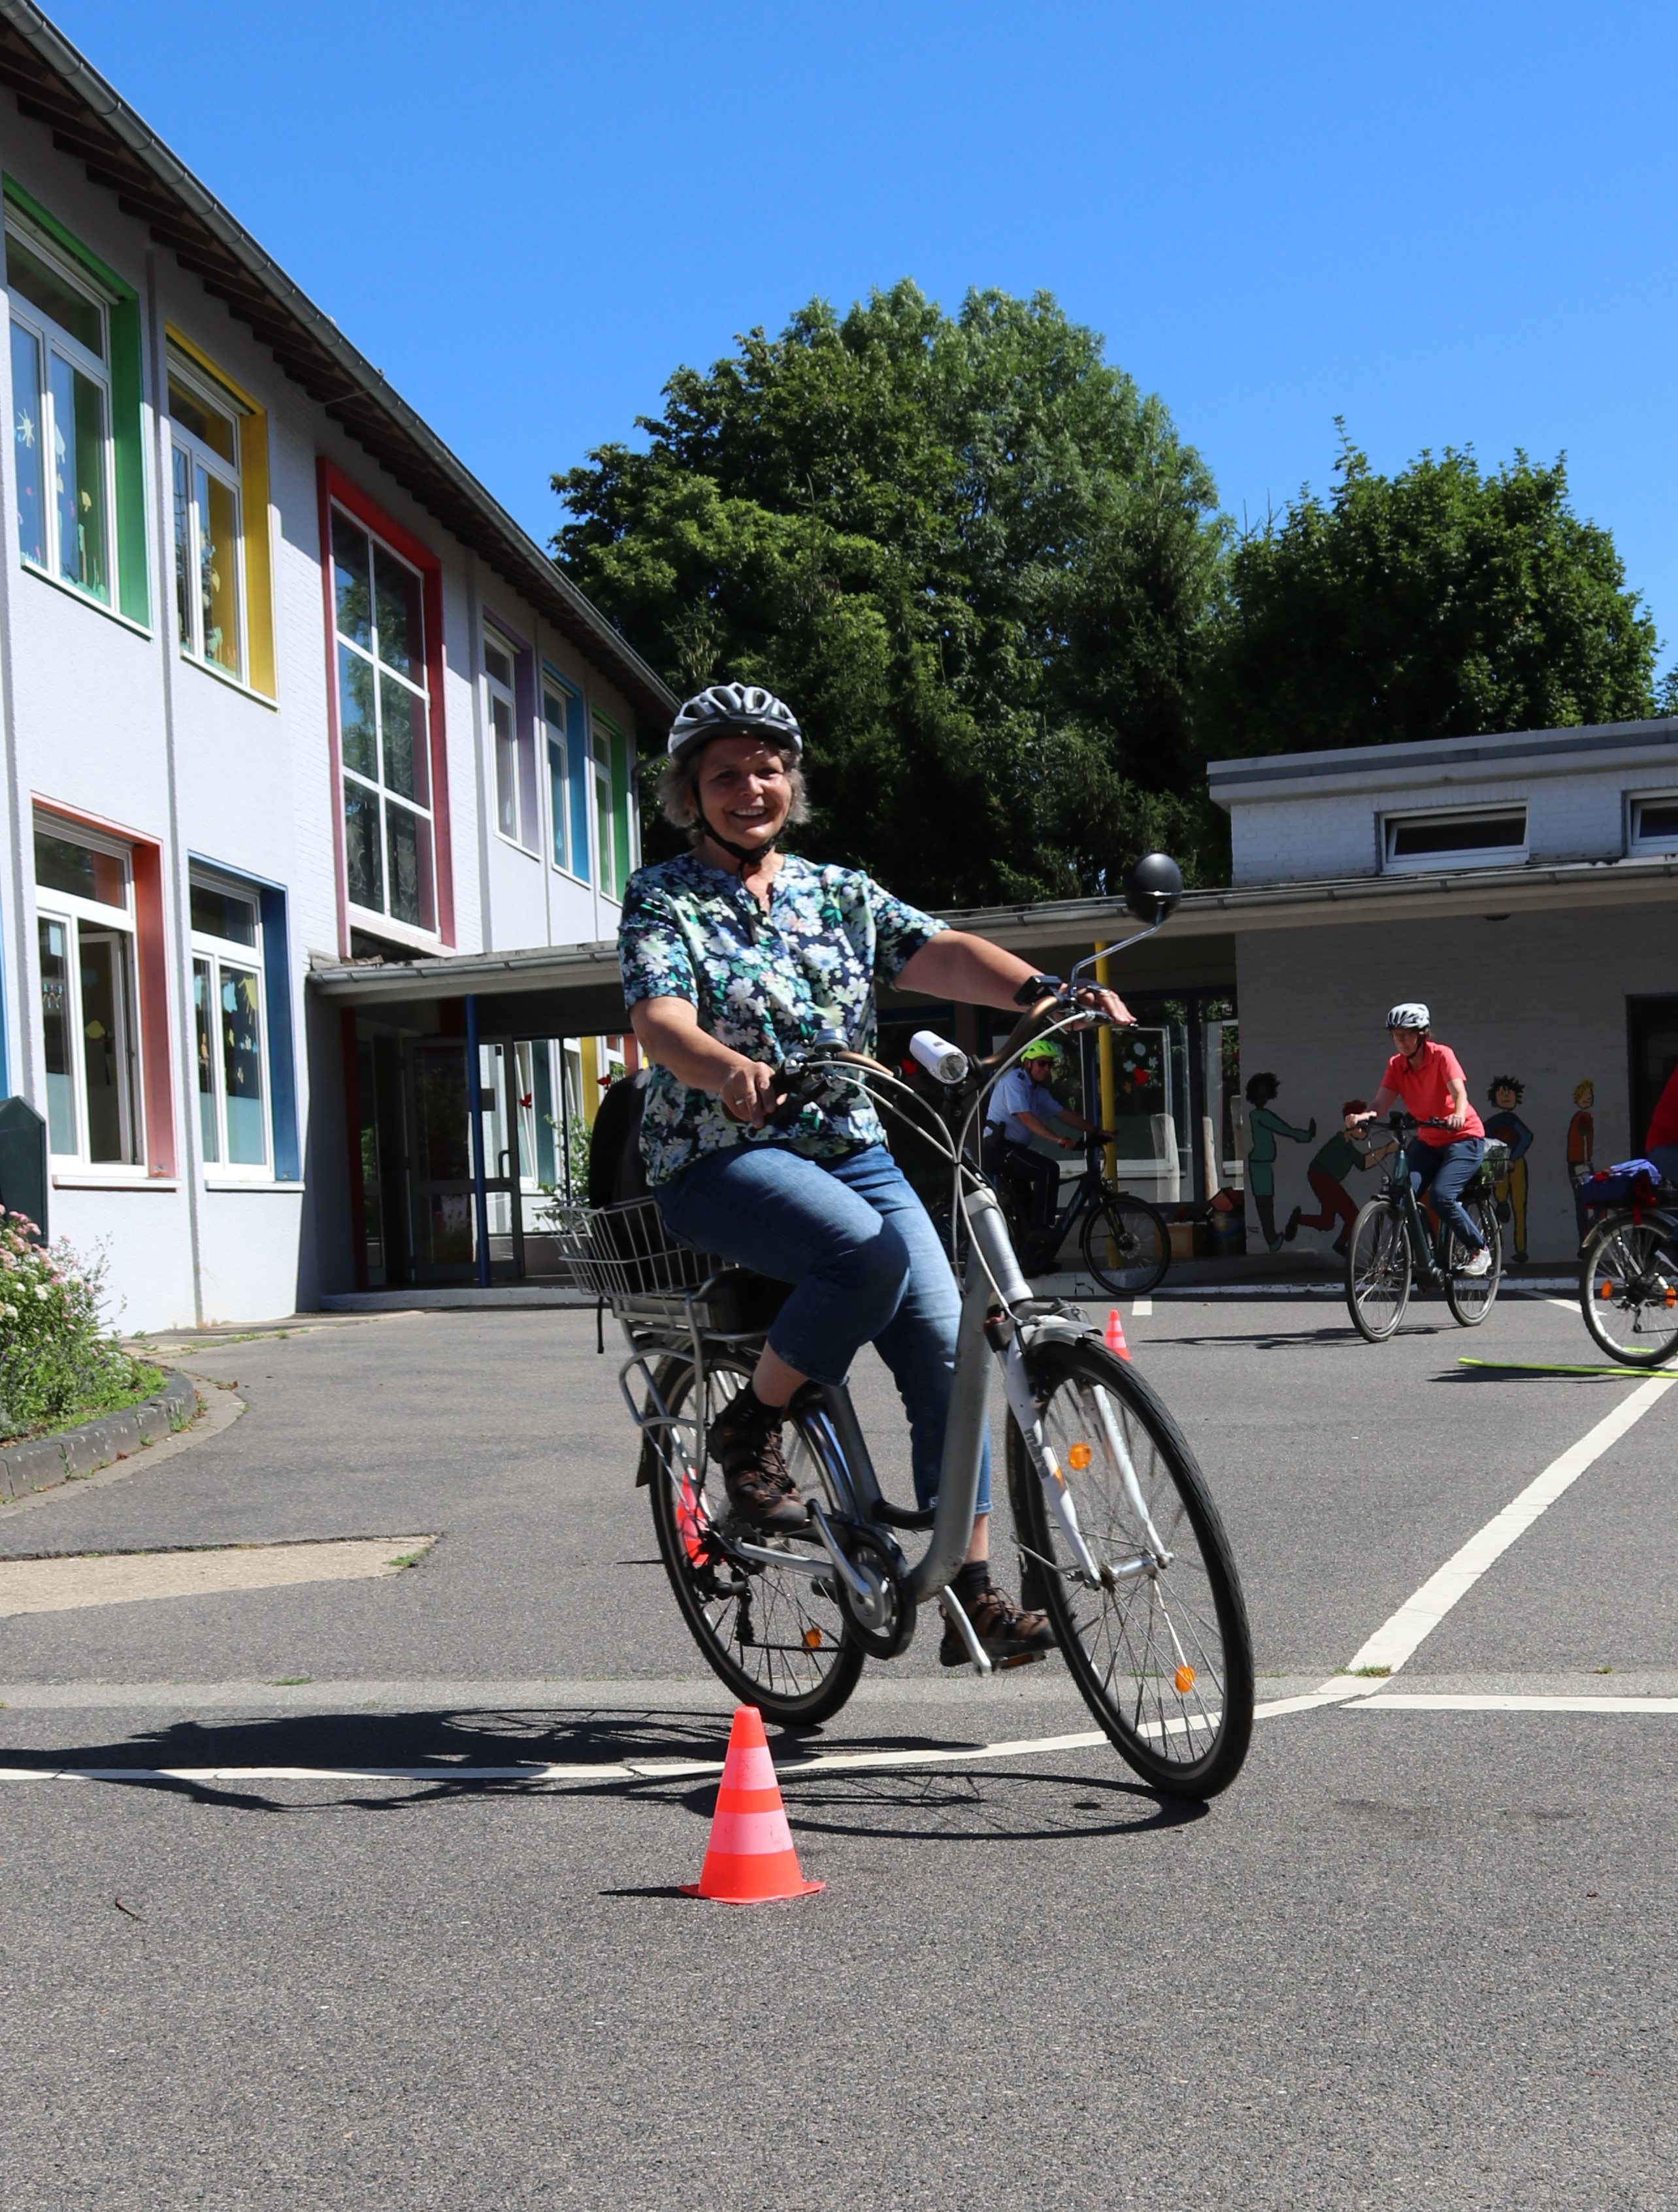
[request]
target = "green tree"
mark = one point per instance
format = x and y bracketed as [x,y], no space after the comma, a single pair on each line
[1440,602]
[974,557]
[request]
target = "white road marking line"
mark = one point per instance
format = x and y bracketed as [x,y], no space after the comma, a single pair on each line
[1142,1308]
[61,1585]
[1397,1639]
[1416,1701]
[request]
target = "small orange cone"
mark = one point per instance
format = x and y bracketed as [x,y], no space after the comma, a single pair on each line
[1114,1338]
[750,1857]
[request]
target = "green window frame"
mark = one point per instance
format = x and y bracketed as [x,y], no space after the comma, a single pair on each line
[127,392]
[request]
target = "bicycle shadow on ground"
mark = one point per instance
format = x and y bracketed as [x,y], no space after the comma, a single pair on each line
[340,1744]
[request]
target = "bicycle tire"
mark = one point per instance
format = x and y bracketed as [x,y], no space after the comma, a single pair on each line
[1121,1226]
[1471,1297]
[772,1665]
[1622,1259]
[1378,1262]
[1145,1663]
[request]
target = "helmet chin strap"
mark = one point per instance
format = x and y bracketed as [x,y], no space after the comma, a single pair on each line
[741,853]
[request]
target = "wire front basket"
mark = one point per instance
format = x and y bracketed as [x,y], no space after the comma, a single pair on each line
[625,1254]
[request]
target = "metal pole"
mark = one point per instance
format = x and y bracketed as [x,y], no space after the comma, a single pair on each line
[475,1116]
[1109,1082]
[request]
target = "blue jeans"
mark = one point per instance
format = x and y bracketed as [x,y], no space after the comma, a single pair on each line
[1441,1171]
[1665,1157]
[866,1265]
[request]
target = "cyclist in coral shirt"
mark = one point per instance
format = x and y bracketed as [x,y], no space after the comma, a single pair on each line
[1427,1081]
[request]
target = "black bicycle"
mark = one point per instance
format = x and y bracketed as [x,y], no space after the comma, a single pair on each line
[1389,1245]
[1123,1241]
[1628,1279]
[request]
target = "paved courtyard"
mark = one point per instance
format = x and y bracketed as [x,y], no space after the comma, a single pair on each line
[1422,1952]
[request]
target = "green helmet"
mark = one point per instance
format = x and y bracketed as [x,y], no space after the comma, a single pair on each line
[1041,1048]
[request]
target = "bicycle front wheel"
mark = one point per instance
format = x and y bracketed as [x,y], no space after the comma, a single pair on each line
[776,1636]
[1471,1297]
[1126,1245]
[1628,1289]
[1161,1651]
[1377,1270]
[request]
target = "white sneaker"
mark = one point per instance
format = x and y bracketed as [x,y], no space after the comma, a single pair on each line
[1481,1264]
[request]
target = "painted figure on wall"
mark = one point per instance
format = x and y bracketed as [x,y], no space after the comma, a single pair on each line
[1505,1126]
[1582,1149]
[1263,1128]
[1344,1153]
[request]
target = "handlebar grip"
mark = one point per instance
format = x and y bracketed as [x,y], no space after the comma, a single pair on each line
[1033,1019]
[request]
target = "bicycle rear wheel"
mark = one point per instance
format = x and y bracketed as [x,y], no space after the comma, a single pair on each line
[1628,1289]
[1164,1657]
[1377,1270]
[1126,1245]
[776,1637]
[1471,1297]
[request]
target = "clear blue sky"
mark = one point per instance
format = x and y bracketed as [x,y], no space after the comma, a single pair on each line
[1449,224]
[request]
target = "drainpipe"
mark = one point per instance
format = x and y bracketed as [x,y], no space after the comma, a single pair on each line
[475,1115]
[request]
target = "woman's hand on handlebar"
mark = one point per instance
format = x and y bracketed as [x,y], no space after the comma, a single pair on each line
[1104,1005]
[751,1091]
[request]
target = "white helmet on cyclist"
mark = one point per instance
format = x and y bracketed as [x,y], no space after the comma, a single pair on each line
[734,710]
[1409,1014]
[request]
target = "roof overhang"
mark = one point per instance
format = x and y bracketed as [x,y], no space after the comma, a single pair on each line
[55,86]
[576,987]
[1645,747]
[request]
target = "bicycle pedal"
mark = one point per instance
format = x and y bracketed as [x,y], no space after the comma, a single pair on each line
[1019,1659]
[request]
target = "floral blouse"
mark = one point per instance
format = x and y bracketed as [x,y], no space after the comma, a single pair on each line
[764,984]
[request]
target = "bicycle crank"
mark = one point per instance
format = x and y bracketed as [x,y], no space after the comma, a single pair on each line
[871,1581]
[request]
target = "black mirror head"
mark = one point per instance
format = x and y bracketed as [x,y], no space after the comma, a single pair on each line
[1152,888]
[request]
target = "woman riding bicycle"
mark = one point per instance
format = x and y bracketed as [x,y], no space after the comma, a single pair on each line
[735,957]
[1427,1081]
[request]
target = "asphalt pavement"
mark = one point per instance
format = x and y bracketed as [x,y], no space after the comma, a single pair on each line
[1414,1955]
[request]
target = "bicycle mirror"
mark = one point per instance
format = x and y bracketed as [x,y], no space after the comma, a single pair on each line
[1152,888]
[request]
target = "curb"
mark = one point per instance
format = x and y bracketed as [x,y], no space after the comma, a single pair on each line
[45,1462]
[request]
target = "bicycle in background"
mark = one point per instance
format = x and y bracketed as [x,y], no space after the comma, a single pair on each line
[1628,1276]
[1390,1247]
[1123,1241]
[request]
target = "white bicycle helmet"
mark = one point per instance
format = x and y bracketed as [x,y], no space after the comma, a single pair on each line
[727,710]
[1409,1014]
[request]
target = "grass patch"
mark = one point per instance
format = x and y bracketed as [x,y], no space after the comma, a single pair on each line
[117,1390]
[1375,1673]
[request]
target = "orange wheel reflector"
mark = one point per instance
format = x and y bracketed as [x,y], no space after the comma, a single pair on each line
[1078,1458]
[812,1639]
[1671,1296]
[1606,1292]
[1184,1679]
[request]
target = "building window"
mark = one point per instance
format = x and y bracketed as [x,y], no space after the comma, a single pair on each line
[504,735]
[384,723]
[209,597]
[1464,837]
[230,1029]
[555,715]
[61,410]
[1655,822]
[84,910]
[605,842]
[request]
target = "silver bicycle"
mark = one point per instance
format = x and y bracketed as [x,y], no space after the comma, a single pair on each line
[1120,1539]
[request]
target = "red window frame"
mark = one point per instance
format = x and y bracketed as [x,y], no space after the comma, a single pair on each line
[338,489]
[151,958]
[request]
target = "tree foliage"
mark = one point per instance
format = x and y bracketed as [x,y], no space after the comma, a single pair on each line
[1440,602]
[977,562]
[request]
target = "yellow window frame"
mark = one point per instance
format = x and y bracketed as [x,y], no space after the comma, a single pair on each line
[253,515]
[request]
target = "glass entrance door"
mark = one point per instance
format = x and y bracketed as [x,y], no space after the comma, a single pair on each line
[500,1101]
[442,1195]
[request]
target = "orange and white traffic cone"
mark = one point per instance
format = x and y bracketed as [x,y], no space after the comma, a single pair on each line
[750,1857]
[1114,1338]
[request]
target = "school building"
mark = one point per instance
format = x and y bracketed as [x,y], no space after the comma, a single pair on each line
[284,692]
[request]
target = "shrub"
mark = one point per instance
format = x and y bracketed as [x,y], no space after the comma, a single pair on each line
[55,1359]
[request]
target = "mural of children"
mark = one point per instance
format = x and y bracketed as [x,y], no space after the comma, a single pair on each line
[1264,1127]
[1327,1177]
[1506,1127]
[1581,1149]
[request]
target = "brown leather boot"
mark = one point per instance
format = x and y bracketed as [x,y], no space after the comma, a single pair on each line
[745,1440]
[1003,1630]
